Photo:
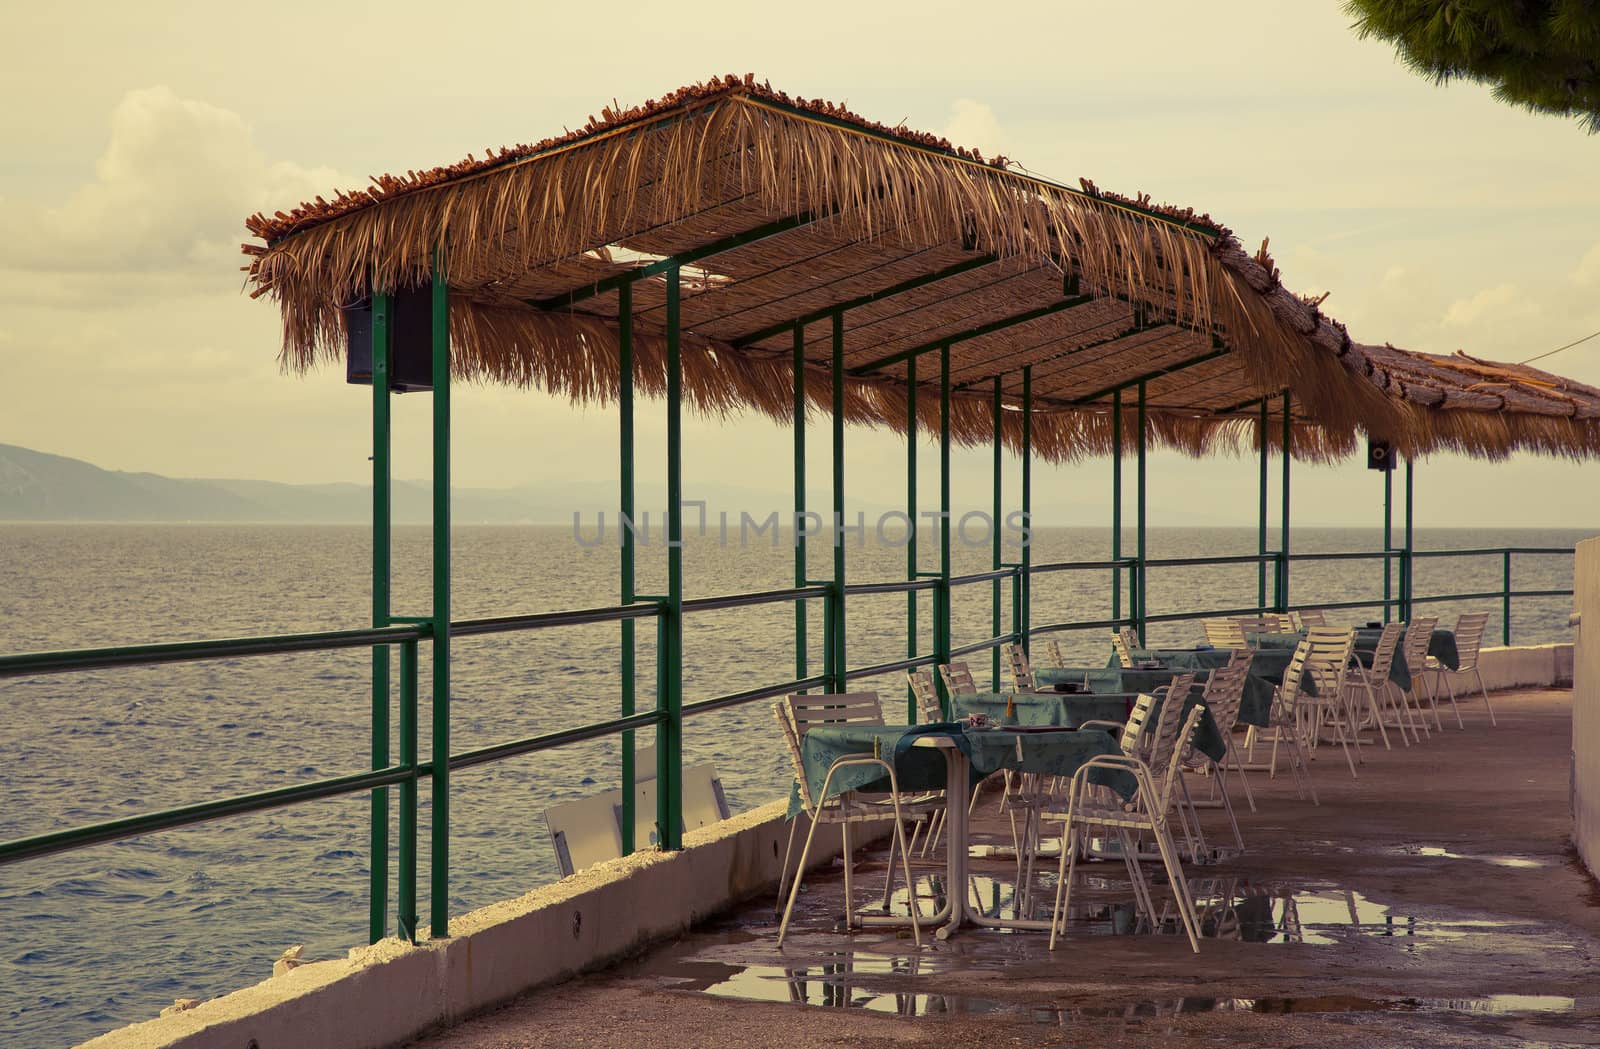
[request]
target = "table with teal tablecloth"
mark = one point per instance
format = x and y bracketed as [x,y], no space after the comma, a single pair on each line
[922,768]
[1441,646]
[1045,709]
[1255,707]
[1106,705]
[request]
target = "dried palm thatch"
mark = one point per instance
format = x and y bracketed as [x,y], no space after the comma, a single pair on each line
[781,211]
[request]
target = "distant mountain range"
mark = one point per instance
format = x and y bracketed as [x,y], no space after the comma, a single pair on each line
[38,486]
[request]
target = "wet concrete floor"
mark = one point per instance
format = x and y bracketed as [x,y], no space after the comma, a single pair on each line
[1433,901]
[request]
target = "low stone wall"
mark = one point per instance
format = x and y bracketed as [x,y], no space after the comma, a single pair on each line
[1524,666]
[390,992]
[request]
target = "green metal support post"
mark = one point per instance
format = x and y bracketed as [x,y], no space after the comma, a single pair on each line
[406,887]
[382,540]
[1261,521]
[1283,576]
[625,537]
[996,620]
[941,626]
[1388,540]
[669,733]
[439,893]
[801,652]
[1505,604]
[911,539]
[837,669]
[1408,563]
[1116,506]
[1143,580]
[1025,620]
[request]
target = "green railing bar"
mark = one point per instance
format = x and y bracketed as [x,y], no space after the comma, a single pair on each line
[752,695]
[378,845]
[1505,619]
[1144,425]
[1261,519]
[910,284]
[1117,560]
[1497,551]
[188,815]
[893,666]
[979,646]
[1283,546]
[941,596]
[578,734]
[1025,609]
[764,597]
[69,660]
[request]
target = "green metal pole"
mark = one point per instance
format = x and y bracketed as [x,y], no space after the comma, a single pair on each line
[669,734]
[625,525]
[941,634]
[1283,588]
[994,534]
[911,515]
[1025,620]
[439,894]
[1505,604]
[1143,580]
[840,660]
[1116,505]
[407,887]
[1388,538]
[801,655]
[378,897]
[1408,565]
[1261,521]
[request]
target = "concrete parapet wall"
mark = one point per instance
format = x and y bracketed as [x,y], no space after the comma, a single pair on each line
[390,992]
[1586,706]
[1524,666]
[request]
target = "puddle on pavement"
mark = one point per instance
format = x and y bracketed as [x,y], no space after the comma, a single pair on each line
[846,982]
[1439,852]
[1229,909]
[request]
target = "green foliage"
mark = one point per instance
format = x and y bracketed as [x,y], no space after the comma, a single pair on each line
[1540,54]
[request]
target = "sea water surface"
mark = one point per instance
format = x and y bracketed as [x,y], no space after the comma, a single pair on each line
[111,934]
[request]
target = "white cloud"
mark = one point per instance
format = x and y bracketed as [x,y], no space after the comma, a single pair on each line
[1496,305]
[973,125]
[1587,275]
[171,190]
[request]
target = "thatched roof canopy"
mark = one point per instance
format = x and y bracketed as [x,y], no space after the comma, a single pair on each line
[782,211]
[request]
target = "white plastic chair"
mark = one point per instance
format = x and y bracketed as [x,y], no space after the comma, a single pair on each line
[1469,640]
[1375,680]
[1419,633]
[1223,694]
[1016,663]
[1148,812]
[1328,657]
[796,716]
[957,679]
[1119,641]
[1223,633]
[1287,724]
[1052,649]
[1310,617]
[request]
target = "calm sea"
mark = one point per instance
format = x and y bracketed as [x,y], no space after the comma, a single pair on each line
[109,935]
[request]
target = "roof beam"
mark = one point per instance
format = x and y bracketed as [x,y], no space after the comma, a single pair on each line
[1219,350]
[1242,405]
[910,284]
[1129,332]
[687,258]
[973,333]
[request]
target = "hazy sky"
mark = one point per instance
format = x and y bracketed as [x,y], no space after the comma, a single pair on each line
[137,137]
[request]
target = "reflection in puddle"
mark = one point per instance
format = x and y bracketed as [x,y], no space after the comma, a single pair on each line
[1439,852]
[846,983]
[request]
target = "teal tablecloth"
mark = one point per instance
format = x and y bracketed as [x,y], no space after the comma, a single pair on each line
[1441,646]
[1046,709]
[1254,709]
[923,768]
